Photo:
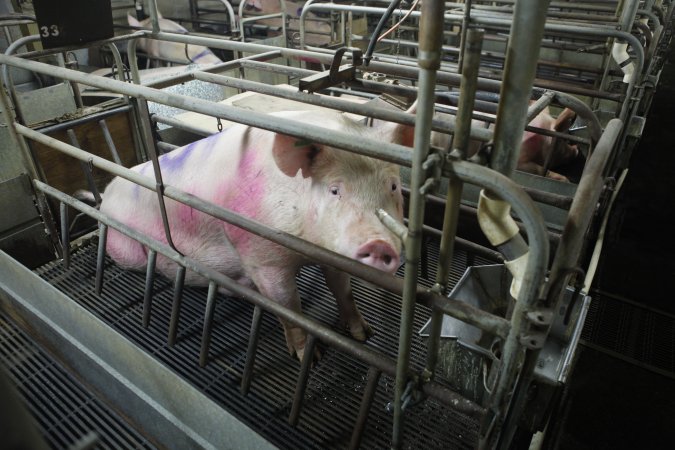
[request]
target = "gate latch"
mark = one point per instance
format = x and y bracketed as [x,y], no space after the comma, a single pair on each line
[336,74]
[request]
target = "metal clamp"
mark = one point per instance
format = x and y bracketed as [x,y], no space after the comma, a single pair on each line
[336,74]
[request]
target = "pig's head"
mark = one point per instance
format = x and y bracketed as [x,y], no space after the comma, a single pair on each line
[346,190]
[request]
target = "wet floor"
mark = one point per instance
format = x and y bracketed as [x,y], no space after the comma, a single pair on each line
[621,397]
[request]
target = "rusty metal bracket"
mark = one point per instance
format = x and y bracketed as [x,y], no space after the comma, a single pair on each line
[336,74]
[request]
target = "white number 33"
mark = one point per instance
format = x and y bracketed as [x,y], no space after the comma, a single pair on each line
[51,30]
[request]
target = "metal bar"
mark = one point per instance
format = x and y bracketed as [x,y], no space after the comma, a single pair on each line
[474,316]
[254,336]
[100,257]
[175,308]
[538,106]
[338,341]
[482,134]
[149,140]
[208,322]
[460,145]
[303,377]
[83,120]
[176,123]
[65,235]
[431,26]
[89,176]
[149,283]
[395,153]
[366,401]
[520,68]
[109,141]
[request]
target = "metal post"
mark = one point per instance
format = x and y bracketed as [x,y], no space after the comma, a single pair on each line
[431,27]
[460,144]
[247,375]
[100,256]
[303,377]
[520,68]
[368,395]
[208,321]
[65,235]
[175,308]
[149,282]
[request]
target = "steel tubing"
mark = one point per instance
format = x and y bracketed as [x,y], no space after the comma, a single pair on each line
[429,59]
[340,342]
[520,69]
[481,134]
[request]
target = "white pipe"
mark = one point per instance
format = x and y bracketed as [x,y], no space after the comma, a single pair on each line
[620,55]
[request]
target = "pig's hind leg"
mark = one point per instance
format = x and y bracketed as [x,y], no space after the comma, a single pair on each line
[350,317]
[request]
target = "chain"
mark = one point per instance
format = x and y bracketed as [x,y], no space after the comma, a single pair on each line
[220,124]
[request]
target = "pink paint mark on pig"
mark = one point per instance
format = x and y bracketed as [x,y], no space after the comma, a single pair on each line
[125,251]
[244,196]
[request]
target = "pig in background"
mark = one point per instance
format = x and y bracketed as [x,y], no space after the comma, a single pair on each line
[317,32]
[536,151]
[326,196]
[172,51]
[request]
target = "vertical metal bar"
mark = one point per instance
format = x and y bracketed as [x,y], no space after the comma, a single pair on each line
[367,399]
[460,143]
[65,235]
[302,380]
[175,309]
[85,168]
[254,336]
[208,321]
[462,41]
[149,283]
[527,30]
[146,129]
[526,33]
[109,140]
[100,256]
[431,33]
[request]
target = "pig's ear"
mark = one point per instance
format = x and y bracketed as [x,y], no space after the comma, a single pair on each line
[293,154]
[564,120]
[398,133]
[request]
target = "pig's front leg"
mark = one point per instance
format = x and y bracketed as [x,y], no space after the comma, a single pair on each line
[340,285]
[279,285]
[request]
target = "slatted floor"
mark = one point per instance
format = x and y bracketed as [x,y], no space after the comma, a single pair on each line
[64,411]
[336,382]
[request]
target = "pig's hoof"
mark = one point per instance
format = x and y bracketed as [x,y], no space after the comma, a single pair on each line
[360,331]
[300,353]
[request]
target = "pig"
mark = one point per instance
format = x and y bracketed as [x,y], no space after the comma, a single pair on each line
[536,151]
[172,51]
[317,32]
[318,193]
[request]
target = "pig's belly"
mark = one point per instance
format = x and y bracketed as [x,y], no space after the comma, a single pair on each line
[217,254]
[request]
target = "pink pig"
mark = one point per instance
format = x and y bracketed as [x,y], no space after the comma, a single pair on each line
[172,51]
[323,195]
[535,149]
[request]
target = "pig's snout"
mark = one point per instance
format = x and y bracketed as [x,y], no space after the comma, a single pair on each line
[379,254]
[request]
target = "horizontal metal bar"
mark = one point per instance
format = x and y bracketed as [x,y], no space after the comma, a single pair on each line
[322,332]
[395,153]
[83,120]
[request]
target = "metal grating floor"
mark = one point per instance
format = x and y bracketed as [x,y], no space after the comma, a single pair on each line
[336,382]
[641,335]
[64,411]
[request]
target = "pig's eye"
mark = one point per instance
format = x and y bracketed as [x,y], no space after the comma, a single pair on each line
[334,190]
[394,186]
